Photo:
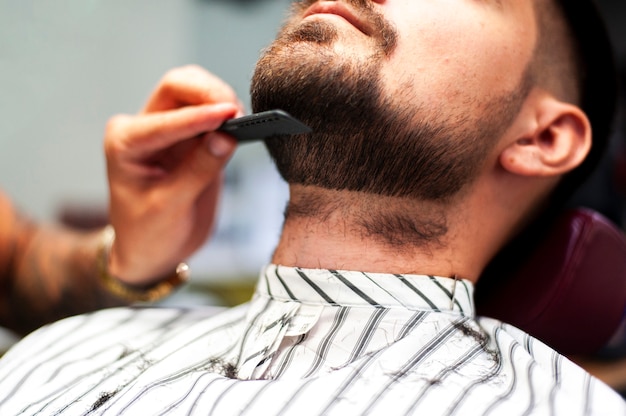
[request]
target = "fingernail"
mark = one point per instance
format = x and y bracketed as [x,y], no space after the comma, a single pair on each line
[220,145]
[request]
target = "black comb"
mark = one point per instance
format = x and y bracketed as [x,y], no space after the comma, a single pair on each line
[262,125]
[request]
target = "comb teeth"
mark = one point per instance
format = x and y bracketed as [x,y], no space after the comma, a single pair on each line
[262,125]
[258,121]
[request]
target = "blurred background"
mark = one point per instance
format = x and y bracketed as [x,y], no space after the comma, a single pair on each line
[66,66]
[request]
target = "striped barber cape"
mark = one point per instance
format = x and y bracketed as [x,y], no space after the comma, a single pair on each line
[310,342]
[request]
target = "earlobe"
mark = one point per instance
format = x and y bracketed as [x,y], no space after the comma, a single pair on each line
[557,138]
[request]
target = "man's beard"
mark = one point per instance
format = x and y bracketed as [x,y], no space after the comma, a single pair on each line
[363,140]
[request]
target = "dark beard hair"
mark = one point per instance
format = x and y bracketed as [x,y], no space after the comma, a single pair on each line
[362,140]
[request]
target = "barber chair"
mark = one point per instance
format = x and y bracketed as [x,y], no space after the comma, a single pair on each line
[569,291]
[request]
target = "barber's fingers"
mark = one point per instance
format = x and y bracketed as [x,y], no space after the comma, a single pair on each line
[204,163]
[140,136]
[190,85]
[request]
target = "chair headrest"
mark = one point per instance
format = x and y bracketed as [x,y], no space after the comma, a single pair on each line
[571,292]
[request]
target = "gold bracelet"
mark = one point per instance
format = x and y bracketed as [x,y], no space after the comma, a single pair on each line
[130,293]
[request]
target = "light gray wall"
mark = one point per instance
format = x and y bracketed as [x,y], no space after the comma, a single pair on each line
[66,66]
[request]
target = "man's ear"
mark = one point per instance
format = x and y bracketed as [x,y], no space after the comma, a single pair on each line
[552,138]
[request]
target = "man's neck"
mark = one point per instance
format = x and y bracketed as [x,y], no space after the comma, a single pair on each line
[350,231]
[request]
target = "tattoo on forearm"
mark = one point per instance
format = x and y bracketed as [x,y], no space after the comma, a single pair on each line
[55,278]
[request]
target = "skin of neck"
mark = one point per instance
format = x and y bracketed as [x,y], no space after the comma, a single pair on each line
[328,229]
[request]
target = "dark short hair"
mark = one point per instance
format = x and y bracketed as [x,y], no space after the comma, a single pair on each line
[598,99]
[599,86]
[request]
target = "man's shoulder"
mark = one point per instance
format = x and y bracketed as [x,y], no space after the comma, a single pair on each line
[118,325]
[139,315]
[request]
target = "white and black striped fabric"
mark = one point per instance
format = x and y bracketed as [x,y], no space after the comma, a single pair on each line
[311,342]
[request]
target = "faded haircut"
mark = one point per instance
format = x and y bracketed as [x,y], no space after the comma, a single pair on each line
[557,64]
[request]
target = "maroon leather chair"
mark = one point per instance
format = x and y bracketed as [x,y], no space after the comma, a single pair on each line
[571,290]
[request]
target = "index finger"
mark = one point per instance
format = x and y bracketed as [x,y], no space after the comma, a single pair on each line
[141,135]
[189,85]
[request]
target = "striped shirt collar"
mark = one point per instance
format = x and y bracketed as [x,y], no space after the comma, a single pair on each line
[354,288]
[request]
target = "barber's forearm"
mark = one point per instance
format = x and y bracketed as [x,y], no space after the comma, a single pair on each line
[54,275]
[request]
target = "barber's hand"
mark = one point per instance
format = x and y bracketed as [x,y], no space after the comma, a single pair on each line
[165,168]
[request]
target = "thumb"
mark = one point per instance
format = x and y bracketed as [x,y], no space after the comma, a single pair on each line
[220,145]
[207,160]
